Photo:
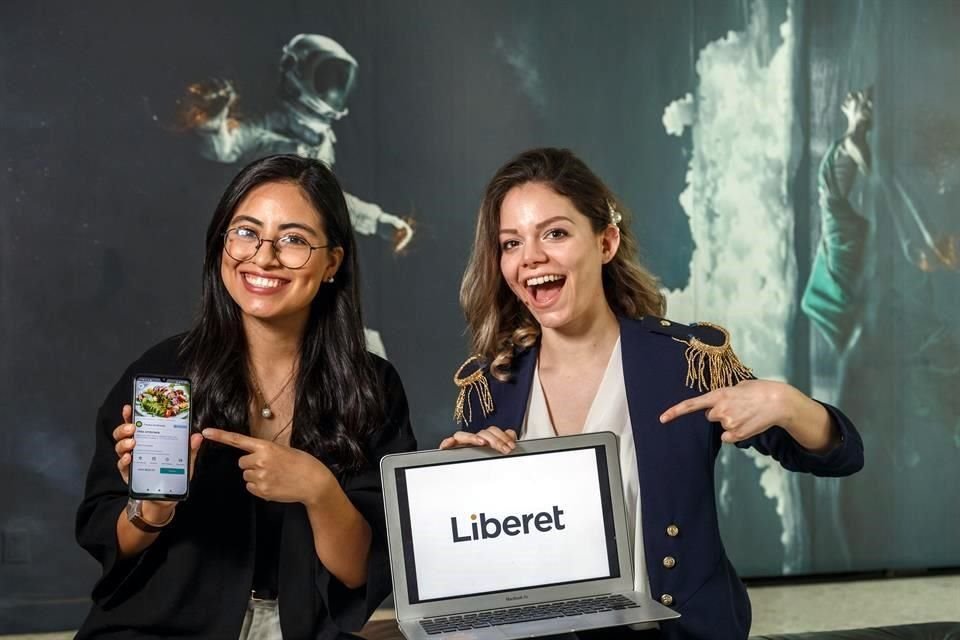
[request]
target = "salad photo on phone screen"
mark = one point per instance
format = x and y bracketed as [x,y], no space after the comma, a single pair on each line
[161,415]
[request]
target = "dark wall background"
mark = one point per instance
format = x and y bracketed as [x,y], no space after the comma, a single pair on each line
[101,198]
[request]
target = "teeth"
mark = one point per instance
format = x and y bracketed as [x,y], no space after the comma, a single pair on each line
[263,283]
[533,282]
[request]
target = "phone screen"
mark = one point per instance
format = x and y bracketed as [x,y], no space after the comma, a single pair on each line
[161,415]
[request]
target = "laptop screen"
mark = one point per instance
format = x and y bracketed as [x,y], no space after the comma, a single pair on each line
[502,523]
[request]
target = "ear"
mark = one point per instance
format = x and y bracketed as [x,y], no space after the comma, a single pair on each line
[334,260]
[609,242]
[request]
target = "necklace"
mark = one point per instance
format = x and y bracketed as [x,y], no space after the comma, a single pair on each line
[265,410]
[278,433]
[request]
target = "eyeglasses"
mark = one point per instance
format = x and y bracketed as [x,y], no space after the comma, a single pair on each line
[292,251]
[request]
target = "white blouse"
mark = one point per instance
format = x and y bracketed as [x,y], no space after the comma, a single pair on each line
[608,412]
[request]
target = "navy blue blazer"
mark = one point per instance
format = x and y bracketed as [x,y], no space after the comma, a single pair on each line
[686,562]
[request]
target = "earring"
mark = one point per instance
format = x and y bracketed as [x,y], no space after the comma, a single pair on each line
[330,279]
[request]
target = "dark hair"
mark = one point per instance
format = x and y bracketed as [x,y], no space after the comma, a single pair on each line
[336,404]
[498,323]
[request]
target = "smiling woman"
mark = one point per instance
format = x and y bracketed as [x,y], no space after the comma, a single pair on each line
[280,282]
[567,339]
[551,257]
[285,499]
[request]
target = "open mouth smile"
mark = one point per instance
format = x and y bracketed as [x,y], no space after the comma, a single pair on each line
[544,290]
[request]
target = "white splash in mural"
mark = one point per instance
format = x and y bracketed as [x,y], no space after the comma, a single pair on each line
[743,269]
[679,115]
[516,53]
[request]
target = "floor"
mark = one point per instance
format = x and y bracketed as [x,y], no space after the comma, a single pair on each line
[807,607]
[849,605]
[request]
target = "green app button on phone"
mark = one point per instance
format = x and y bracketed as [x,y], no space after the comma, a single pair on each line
[170,471]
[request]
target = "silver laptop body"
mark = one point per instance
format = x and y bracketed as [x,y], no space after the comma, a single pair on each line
[477,553]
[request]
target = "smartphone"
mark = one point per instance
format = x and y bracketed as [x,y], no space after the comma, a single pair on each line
[161,456]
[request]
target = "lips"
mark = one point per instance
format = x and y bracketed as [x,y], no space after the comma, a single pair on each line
[263,284]
[544,290]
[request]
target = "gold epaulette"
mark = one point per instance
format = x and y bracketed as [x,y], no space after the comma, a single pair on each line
[711,361]
[463,411]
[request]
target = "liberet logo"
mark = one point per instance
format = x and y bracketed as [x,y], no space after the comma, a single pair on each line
[491,527]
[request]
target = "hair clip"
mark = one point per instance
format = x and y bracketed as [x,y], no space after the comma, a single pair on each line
[615,216]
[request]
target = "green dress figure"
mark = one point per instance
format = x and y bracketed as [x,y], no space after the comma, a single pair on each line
[885,297]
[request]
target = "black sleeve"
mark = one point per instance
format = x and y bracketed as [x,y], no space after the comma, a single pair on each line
[844,460]
[105,493]
[351,608]
[105,496]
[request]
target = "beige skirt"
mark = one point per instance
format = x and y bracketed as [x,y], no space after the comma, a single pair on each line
[262,621]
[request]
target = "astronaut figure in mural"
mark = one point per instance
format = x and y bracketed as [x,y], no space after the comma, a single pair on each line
[316,77]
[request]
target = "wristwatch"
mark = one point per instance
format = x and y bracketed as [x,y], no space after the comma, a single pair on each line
[135,516]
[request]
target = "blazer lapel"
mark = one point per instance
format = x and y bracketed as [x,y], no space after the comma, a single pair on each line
[510,398]
[649,393]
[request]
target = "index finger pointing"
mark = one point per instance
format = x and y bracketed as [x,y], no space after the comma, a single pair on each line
[690,405]
[238,440]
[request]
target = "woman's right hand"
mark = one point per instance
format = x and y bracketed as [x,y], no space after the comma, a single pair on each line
[130,540]
[123,437]
[502,440]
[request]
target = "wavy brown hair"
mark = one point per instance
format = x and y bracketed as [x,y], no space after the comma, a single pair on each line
[498,323]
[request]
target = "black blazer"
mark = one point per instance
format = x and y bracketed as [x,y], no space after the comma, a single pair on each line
[675,463]
[194,581]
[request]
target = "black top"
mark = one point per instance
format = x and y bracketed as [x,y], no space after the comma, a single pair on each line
[269,521]
[194,581]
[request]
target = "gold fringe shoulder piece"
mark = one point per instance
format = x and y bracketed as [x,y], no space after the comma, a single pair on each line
[712,366]
[474,381]
[711,362]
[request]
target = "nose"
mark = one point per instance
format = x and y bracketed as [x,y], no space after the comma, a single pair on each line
[267,254]
[533,253]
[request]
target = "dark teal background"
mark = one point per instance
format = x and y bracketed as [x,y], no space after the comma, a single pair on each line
[99,194]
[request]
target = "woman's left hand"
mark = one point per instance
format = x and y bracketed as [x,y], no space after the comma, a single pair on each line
[752,407]
[276,472]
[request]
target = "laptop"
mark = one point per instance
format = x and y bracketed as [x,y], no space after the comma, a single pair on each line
[486,546]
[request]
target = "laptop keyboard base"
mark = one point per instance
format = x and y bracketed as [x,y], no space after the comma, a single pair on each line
[528,613]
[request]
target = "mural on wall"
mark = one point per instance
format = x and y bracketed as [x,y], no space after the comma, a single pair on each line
[316,78]
[741,217]
[883,289]
[881,277]
[791,177]
[876,286]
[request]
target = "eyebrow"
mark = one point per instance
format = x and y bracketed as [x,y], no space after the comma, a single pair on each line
[297,225]
[282,227]
[543,224]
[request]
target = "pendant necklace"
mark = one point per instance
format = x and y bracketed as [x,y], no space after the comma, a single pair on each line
[265,410]
[279,433]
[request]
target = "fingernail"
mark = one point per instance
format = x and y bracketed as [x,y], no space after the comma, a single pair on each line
[663,418]
[205,433]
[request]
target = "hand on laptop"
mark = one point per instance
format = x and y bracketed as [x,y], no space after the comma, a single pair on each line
[502,440]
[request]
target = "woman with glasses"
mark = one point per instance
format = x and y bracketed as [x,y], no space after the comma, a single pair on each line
[284,526]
